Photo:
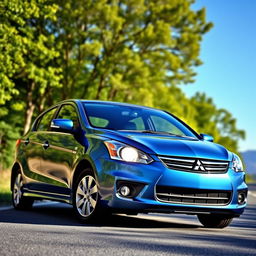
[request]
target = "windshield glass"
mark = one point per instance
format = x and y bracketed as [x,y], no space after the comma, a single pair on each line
[134,118]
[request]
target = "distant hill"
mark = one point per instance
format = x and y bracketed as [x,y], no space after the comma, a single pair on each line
[250,161]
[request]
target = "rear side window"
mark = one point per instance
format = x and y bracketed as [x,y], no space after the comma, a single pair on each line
[44,122]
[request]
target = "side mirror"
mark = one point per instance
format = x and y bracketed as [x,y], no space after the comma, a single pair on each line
[206,137]
[62,124]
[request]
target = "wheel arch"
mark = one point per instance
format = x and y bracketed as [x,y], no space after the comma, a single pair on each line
[83,164]
[15,168]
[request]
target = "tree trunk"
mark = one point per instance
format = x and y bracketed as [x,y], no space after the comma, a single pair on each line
[42,103]
[112,94]
[100,87]
[29,108]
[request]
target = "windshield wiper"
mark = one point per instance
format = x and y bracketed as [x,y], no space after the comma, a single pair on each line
[142,131]
[166,133]
[157,132]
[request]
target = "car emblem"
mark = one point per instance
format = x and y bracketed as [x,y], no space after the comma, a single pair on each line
[198,166]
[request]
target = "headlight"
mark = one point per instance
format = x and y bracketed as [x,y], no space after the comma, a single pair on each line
[123,152]
[237,165]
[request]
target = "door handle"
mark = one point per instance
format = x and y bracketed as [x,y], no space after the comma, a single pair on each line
[26,142]
[46,145]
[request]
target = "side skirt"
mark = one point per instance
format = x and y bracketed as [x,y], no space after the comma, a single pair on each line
[47,195]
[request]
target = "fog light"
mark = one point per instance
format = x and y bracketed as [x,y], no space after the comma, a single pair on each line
[241,198]
[125,191]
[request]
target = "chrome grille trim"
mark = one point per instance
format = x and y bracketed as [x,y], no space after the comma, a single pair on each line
[188,164]
[178,159]
[213,161]
[214,168]
[180,165]
[190,196]
[187,196]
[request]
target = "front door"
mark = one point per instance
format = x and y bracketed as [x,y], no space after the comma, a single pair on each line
[60,152]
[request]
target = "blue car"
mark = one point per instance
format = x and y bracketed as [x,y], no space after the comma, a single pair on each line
[114,157]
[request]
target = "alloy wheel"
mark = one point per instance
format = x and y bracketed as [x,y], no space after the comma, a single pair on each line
[86,196]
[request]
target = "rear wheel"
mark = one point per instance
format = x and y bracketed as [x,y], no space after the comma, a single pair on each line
[86,196]
[19,201]
[215,221]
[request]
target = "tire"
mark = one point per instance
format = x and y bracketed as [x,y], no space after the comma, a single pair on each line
[215,221]
[19,201]
[86,199]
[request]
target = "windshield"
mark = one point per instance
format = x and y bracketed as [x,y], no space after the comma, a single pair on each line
[134,118]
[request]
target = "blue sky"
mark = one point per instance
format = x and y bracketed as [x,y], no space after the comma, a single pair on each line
[229,55]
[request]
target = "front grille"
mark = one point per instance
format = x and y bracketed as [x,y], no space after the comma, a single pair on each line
[192,196]
[198,165]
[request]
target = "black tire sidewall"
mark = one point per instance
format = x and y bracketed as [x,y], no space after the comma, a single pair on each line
[25,202]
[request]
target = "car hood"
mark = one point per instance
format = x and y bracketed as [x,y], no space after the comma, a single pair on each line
[169,145]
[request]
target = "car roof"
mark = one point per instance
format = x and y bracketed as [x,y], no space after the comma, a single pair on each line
[108,102]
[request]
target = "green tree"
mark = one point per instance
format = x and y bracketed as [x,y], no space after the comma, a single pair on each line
[124,50]
[7,137]
[217,122]
[27,53]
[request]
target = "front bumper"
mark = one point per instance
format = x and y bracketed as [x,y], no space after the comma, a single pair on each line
[156,174]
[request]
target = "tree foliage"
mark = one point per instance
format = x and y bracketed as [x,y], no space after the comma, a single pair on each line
[217,122]
[136,51]
[27,54]
[124,50]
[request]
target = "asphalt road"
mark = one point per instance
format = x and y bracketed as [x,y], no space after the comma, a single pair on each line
[52,230]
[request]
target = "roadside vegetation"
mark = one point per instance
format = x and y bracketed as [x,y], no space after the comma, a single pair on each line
[250,179]
[5,193]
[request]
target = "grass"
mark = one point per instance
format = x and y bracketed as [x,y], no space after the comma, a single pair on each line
[5,192]
[250,178]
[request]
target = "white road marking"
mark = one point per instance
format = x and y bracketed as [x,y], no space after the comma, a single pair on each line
[252,194]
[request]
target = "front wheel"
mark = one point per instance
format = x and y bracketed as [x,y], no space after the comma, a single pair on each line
[86,196]
[215,221]
[19,201]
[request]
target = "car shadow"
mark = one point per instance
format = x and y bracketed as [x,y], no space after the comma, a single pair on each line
[62,214]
